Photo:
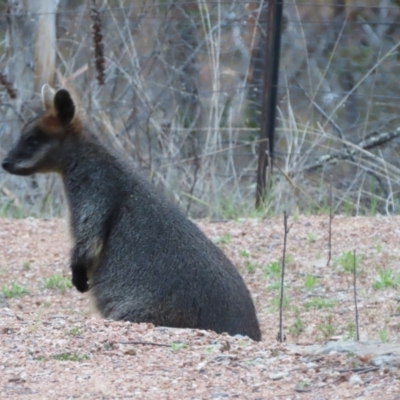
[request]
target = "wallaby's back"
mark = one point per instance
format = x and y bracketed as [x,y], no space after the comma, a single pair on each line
[141,258]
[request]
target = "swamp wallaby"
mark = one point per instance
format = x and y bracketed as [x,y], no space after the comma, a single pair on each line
[140,257]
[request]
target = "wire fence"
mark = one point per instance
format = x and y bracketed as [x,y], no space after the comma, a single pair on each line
[181,96]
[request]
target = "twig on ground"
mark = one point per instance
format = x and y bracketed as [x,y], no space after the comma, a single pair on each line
[330,223]
[359,370]
[145,343]
[281,337]
[355,295]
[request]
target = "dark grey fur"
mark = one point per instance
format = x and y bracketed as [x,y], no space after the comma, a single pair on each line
[141,258]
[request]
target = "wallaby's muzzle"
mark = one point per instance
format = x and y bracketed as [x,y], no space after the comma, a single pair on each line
[16,166]
[6,164]
[10,167]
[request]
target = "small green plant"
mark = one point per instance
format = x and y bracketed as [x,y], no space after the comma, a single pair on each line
[70,357]
[379,248]
[346,261]
[275,352]
[273,269]
[350,331]
[243,343]
[250,266]
[26,266]
[230,211]
[327,330]
[310,282]
[36,320]
[210,349]
[386,278]
[348,207]
[13,290]
[176,346]
[383,335]
[244,253]
[275,303]
[274,286]
[11,210]
[297,328]
[355,360]
[311,238]
[224,239]
[303,385]
[319,303]
[74,332]
[289,259]
[351,354]
[57,281]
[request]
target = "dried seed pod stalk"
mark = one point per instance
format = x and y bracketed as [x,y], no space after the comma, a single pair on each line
[12,93]
[98,43]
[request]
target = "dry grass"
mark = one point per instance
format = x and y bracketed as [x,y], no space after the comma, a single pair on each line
[181,111]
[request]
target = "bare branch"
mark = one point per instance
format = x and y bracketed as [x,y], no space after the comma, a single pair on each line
[373,140]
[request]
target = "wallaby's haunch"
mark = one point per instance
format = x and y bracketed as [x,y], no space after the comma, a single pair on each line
[141,258]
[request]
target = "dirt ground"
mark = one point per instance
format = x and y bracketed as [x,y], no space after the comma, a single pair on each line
[54,346]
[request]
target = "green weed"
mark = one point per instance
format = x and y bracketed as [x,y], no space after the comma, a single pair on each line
[297,327]
[289,259]
[386,278]
[319,303]
[350,331]
[176,346]
[303,385]
[224,239]
[310,282]
[57,281]
[250,266]
[274,286]
[70,357]
[383,335]
[74,332]
[13,290]
[327,330]
[273,269]
[10,210]
[311,238]
[275,303]
[244,254]
[210,349]
[26,266]
[348,207]
[346,261]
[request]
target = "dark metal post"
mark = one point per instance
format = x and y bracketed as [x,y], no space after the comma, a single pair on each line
[270,86]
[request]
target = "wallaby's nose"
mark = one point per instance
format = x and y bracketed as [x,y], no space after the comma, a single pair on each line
[6,164]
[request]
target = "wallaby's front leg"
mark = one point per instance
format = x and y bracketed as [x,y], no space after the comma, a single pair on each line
[84,258]
[79,277]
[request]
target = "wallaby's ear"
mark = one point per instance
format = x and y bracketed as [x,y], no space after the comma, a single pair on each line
[47,97]
[64,106]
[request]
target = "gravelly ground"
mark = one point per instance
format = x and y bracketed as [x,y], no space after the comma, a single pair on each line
[53,346]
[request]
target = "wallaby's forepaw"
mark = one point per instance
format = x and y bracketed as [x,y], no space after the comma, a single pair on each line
[79,279]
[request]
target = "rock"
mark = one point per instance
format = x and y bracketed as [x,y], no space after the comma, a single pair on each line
[355,380]
[3,301]
[277,376]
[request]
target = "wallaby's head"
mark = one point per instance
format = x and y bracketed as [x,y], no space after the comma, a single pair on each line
[41,146]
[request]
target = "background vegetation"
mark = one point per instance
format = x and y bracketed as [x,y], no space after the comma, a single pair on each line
[175,85]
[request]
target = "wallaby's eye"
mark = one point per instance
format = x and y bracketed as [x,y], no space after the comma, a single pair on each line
[32,141]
